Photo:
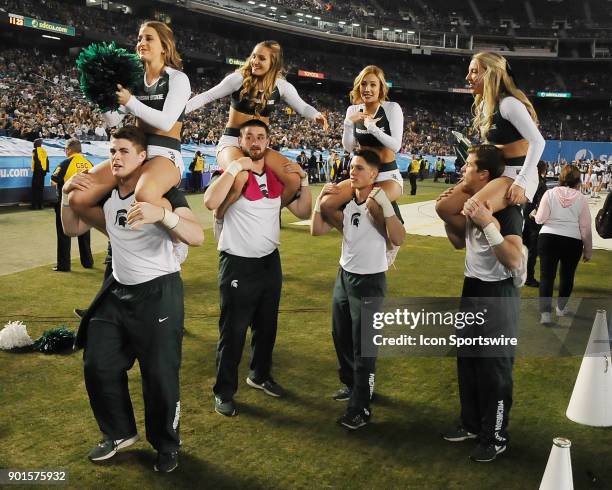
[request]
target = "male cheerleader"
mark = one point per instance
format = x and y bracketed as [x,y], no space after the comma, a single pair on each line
[138,314]
[363,263]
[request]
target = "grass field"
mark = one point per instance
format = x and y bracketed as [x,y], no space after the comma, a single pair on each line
[293,442]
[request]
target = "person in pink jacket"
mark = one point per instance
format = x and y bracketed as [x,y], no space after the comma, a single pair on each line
[565,236]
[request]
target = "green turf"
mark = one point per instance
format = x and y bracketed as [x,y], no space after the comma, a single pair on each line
[46,421]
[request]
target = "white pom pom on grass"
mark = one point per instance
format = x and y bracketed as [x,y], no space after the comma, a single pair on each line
[14,335]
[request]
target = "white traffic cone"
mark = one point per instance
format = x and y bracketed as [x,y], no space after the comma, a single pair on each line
[591,401]
[558,472]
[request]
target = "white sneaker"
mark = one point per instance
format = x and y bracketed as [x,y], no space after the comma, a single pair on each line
[563,312]
[545,318]
[519,276]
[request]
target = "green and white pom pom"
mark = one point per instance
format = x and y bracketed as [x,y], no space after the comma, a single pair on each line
[101,67]
[55,340]
[14,335]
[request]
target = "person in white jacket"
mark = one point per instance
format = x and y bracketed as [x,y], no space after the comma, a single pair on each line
[565,236]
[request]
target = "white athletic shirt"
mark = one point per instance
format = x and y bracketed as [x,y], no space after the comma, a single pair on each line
[139,255]
[233,82]
[480,260]
[363,247]
[175,98]
[514,111]
[252,228]
[391,120]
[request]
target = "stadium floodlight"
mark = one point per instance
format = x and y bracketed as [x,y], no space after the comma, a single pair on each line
[300,14]
[341,22]
[262,5]
[251,2]
[309,16]
[409,32]
[385,28]
[283,16]
[318,18]
[272,7]
[355,25]
[51,37]
[398,30]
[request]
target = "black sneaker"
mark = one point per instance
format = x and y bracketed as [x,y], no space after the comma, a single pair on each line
[343,394]
[459,434]
[79,313]
[355,420]
[225,407]
[532,283]
[485,453]
[107,448]
[270,387]
[166,462]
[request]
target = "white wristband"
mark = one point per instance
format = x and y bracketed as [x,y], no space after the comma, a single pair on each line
[387,209]
[170,220]
[317,205]
[234,168]
[383,200]
[65,200]
[492,234]
[304,181]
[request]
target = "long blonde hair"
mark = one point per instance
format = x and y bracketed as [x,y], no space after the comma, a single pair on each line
[249,85]
[497,83]
[166,37]
[355,94]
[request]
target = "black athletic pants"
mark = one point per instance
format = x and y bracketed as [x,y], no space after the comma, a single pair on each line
[143,322]
[38,186]
[64,241]
[530,239]
[196,181]
[413,183]
[555,249]
[355,371]
[250,291]
[485,383]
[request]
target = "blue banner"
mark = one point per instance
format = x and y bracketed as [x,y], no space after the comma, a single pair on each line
[15,157]
[576,150]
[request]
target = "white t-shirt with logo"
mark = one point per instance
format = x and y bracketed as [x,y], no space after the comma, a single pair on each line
[363,247]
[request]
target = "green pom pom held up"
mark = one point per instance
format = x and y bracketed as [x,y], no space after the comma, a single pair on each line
[101,67]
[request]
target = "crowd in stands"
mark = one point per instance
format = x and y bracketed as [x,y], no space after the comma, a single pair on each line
[42,99]
[40,94]
[406,71]
[565,18]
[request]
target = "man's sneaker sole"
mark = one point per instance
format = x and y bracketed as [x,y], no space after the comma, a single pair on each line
[252,384]
[469,436]
[125,443]
[233,414]
[168,471]
[488,460]
[226,414]
[351,426]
